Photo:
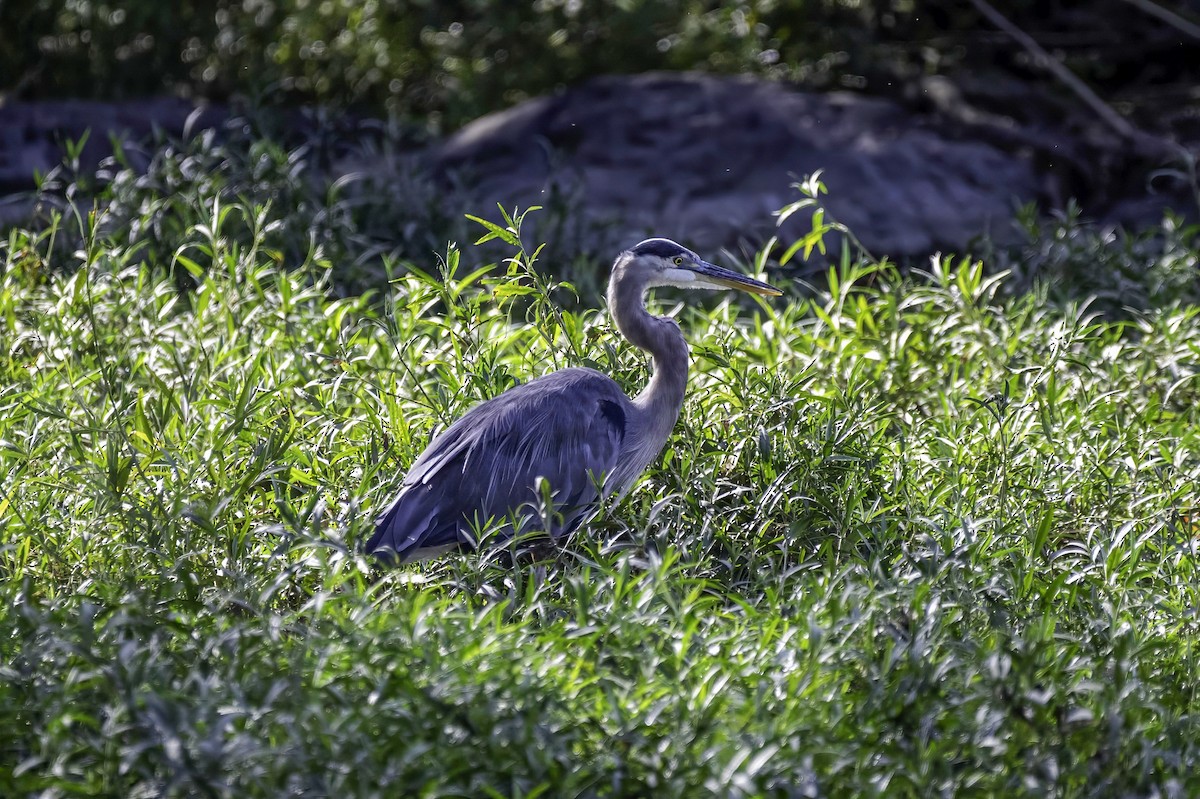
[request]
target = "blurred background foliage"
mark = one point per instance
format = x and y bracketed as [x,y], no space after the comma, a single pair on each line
[447,61]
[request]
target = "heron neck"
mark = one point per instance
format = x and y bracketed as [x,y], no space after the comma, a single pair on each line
[663,396]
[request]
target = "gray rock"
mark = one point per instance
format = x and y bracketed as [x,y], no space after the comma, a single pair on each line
[701,158]
[708,160]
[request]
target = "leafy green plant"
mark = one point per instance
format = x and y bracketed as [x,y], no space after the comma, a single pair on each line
[915,534]
[445,63]
[1123,271]
[367,218]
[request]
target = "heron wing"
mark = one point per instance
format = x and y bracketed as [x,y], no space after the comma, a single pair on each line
[566,428]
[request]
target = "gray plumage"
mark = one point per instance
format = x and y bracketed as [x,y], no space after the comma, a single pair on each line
[574,429]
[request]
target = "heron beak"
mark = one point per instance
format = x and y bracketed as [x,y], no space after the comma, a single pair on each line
[730,279]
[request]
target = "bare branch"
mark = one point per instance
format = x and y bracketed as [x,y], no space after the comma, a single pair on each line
[1051,64]
[1168,16]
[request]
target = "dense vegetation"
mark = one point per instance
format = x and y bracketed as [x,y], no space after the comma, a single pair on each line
[925,534]
[446,62]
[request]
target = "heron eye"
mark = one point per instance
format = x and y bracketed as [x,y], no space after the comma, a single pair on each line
[678,260]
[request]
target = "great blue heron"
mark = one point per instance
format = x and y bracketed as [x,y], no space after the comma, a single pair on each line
[574,429]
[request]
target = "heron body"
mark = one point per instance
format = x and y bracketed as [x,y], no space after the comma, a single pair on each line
[575,429]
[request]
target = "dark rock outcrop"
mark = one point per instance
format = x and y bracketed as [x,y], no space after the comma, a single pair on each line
[701,158]
[709,159]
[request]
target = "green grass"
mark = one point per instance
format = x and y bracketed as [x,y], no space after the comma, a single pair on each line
[914,535]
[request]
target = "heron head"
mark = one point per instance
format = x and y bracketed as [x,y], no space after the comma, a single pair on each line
[662,262]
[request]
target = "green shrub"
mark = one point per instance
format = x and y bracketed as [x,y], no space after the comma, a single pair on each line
[914,534]
[1121,271]
[442,62]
